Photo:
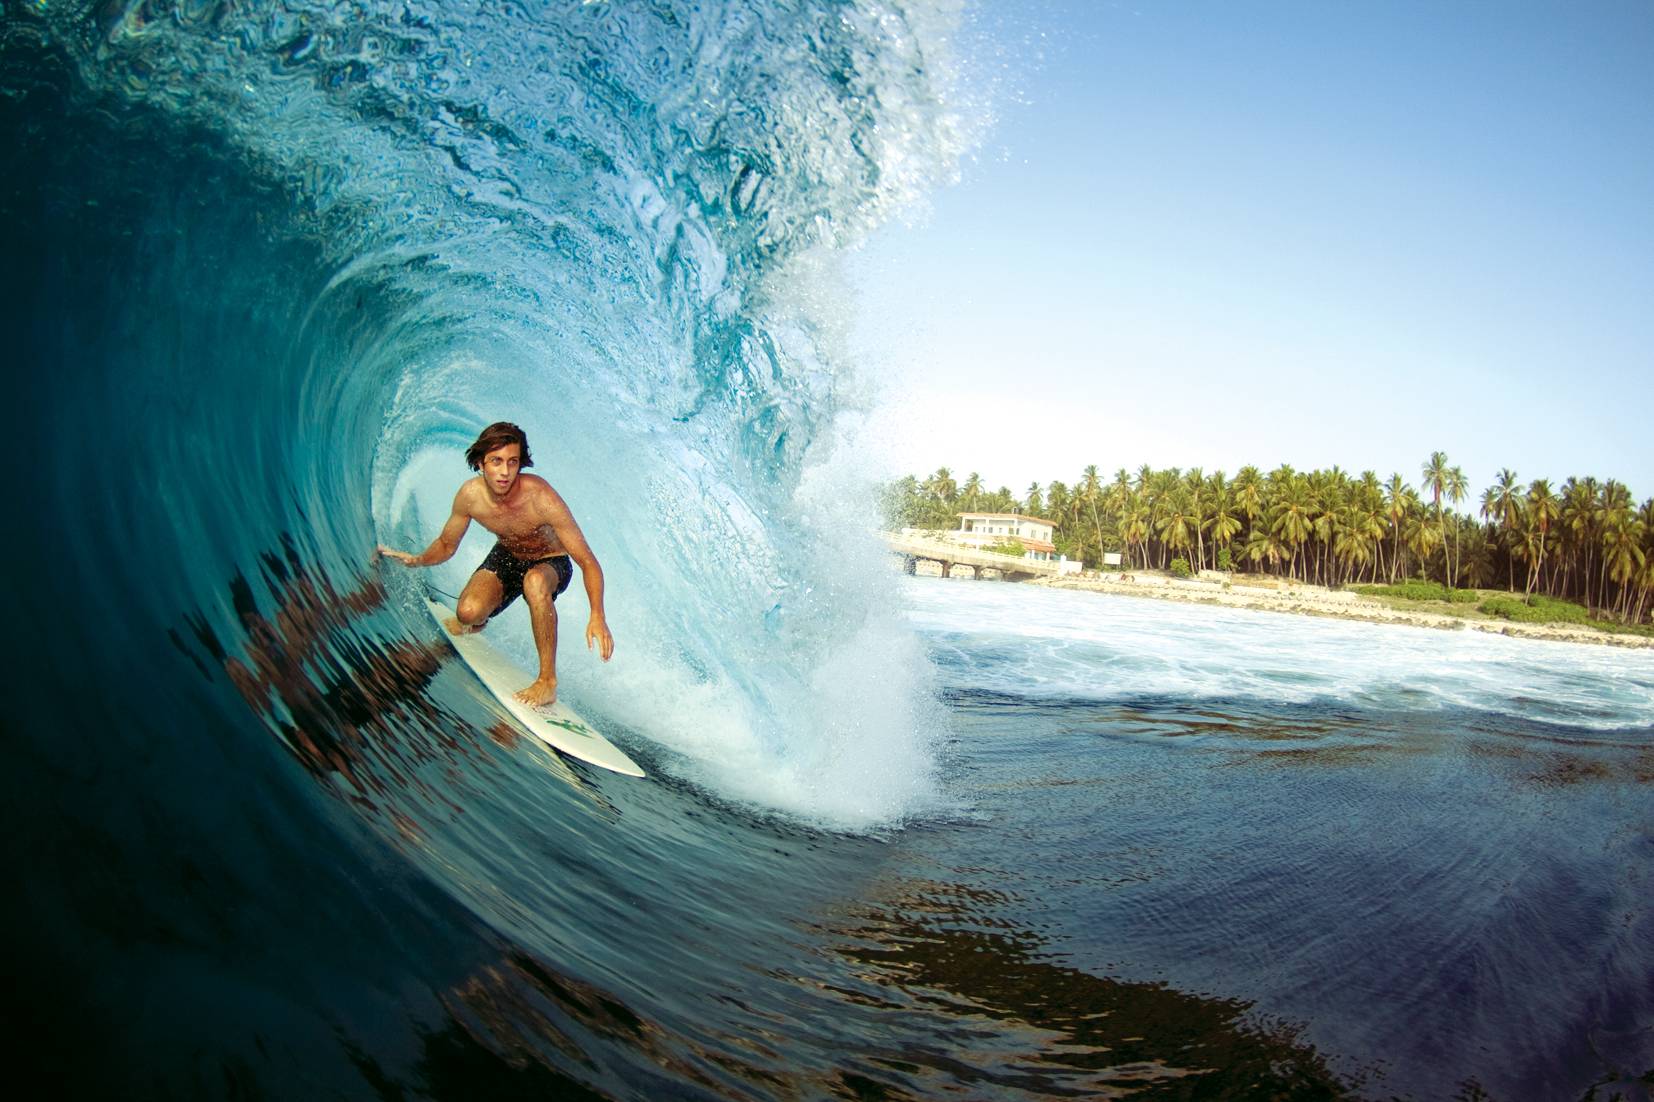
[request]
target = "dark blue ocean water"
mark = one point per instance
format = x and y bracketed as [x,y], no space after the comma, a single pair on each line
[267,269]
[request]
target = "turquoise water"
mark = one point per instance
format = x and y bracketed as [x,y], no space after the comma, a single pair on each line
[266,274]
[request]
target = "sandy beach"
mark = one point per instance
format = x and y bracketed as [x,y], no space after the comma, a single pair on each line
[1274,595]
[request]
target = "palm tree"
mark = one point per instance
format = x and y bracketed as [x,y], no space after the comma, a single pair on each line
[1162,484]
[1503,502]
[1434,475]
[1056,499]
[1477,566]
[1623,554]
[1194,483]
[1179,522]
[1134,527]
[1457,488]
[1543,508]
[1249,492]
[1034,506]
[971,494]
[1645,585]
[1528,545]
[1578,522]
[1370,492]
[941,486]
[1396,495]
[1614,508]
[1362,531]
[1224,522]
[1294,517]
[1351,545]
[1329,491]
[1645,577]
[1119,492]
[1263,547]
[1424,535]
[1000,501]
[1074,521]
[1089,491]
[1367,501]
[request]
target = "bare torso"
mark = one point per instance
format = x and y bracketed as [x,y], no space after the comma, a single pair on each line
[518,519]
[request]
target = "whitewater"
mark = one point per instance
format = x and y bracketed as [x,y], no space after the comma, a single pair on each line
[268,269]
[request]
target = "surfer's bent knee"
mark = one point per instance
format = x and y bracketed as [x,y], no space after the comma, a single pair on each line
[472,611]
[537,589]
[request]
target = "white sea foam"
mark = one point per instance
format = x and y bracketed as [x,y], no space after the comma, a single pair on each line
[1030,641]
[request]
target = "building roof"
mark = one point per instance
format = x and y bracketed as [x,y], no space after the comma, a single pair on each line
[1009,516]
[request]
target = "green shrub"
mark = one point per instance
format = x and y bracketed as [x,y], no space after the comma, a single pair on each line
[1507,608]
[1421,591]
[1536,610]
[1007,547]
[1624,629]
[1540,609]
[1226,561]
[1180,568]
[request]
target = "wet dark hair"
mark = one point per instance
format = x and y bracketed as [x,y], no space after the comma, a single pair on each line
[498,435]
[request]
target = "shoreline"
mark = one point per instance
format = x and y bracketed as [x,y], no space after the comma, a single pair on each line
[1302,599]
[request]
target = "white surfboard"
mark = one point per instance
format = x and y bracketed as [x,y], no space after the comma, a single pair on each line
[557,726]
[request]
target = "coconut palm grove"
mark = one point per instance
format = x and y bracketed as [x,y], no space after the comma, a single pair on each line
[1581,549]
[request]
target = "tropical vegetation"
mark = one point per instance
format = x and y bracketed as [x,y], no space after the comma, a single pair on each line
[1584,541]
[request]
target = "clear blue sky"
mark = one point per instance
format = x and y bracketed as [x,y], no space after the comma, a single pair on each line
[1212,234]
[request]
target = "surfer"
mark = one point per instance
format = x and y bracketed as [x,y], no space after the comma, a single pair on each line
[537,538]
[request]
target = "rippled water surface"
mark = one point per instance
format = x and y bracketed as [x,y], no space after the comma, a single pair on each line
[1429,850]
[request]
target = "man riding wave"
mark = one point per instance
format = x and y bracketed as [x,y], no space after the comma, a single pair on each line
[537,538]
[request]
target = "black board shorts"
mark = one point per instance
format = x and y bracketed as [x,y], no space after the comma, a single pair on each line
[509,569]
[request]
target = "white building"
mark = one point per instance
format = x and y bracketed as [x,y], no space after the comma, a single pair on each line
[987,529]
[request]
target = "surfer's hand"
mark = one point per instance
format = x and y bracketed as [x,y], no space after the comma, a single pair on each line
[597,631]
[403,557]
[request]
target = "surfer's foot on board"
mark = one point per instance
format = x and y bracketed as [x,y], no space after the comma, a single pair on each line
[541,692]
[456,627]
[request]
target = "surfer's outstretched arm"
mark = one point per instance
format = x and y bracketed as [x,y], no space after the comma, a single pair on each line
[443,547]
